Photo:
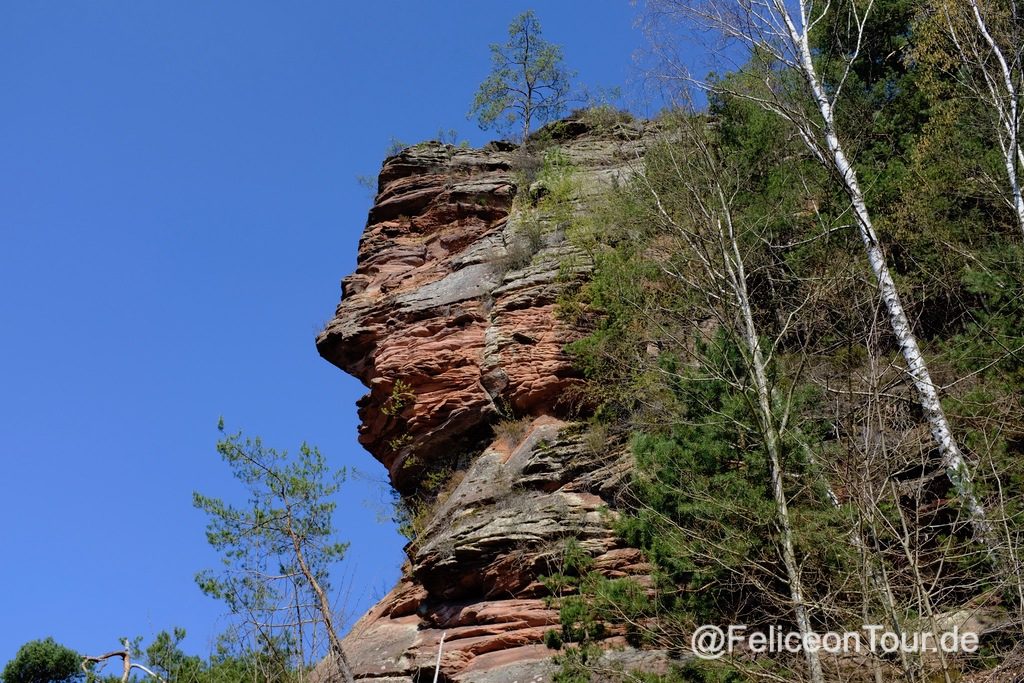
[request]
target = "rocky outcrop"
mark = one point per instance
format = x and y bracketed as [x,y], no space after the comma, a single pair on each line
[450,321]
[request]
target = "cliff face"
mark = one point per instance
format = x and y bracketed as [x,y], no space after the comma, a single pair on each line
[450,321]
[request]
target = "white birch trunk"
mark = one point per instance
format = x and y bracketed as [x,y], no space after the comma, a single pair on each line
[1007,105]
[951,456]
[730,280]
[769,428]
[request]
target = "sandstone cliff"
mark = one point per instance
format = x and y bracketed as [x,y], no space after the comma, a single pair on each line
[450,321]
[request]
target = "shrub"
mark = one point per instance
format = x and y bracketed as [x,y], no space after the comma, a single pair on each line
[512,431]
[43,661]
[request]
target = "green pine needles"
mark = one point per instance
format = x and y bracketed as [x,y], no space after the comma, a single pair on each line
[277,552]
[528,83]
[43,661]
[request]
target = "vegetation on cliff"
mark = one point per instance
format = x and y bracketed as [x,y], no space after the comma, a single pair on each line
[782,294]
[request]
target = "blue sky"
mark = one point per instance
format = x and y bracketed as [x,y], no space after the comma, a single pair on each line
[177,205]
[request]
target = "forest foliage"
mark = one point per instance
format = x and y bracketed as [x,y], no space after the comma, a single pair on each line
[866,505]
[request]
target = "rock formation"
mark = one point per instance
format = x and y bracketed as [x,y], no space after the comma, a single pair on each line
[450,321]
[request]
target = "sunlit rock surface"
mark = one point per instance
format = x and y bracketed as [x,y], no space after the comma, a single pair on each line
[451,328]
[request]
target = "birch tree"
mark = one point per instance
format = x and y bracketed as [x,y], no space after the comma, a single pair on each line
[988,38]
[776,34]
[706,230]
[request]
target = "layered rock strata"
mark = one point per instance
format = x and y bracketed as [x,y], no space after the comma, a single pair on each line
[450,321]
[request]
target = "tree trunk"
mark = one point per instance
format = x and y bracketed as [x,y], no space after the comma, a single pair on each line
[769,428]
[729,279]
[1007,107]
[952,458]
[324,606]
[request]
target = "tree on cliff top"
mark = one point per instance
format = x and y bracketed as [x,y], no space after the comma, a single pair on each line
[528,82]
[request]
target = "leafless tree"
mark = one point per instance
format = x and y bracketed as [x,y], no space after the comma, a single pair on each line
[989,39]
[717,269]
[777,35]
[89,663]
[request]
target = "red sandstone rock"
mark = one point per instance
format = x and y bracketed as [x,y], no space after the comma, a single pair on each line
[447,337]
[429,307]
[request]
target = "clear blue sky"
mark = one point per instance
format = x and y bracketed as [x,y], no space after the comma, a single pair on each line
[177,205]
